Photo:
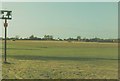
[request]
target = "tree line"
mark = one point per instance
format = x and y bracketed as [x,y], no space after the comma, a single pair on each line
[69,39]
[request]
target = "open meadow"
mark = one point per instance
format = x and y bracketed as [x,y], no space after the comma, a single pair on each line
[60,60]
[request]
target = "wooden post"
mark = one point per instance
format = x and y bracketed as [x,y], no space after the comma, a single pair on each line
[5,48]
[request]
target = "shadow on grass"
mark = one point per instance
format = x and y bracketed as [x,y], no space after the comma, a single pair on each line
[33,57]
[24,48]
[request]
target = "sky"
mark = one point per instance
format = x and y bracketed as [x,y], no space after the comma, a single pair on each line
[63,19]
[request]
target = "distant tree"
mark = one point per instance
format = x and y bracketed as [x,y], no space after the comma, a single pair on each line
[96,39]
[48,37]
[59,39]
[17,37]
[78,38]
[21,38]
[70,39]
[84,39]
[32,37]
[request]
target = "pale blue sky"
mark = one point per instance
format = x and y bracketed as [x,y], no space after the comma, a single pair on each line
[63,19]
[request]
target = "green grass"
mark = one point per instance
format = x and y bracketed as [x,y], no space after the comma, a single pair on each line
[61,60]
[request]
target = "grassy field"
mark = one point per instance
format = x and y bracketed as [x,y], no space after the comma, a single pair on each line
[61,60]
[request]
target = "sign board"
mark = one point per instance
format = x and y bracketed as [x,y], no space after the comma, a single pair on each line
[5,14]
